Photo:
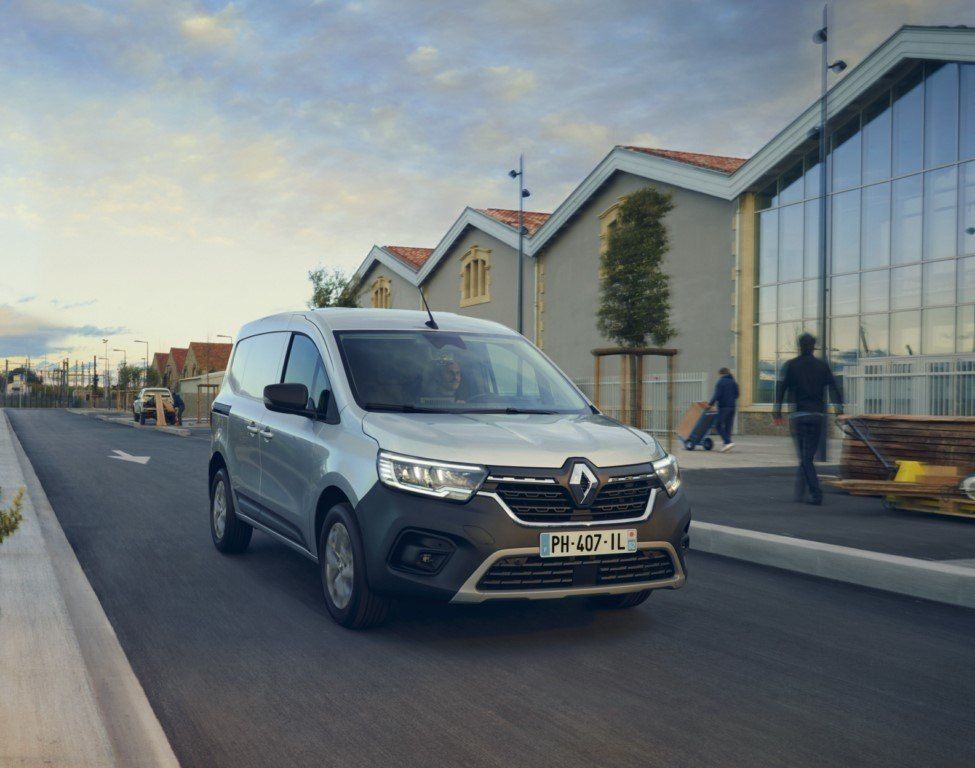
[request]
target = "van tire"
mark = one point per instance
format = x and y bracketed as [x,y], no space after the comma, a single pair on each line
[236,534]
[621,602]
[363,608]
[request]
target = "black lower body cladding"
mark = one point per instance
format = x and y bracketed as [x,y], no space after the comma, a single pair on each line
[426,547]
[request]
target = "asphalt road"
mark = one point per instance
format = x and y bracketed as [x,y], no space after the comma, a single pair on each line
[746,666]
[760,499]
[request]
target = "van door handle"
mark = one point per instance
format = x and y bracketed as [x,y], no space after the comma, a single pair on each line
[267,434]
[253,429]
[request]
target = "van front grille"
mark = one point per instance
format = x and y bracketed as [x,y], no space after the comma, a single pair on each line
[552,503]
[518,572]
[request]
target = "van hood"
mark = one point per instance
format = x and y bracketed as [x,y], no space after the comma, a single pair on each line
[510,440]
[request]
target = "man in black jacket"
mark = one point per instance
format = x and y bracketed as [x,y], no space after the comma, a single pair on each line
[726,396]
[805,379]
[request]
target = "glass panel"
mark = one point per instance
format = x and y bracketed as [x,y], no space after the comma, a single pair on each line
[768,251]
[811,298]
[305,366]
[262,365]
[940,115]
[906,222]
[876,141]
[905,287]
[967,148]
[968,208]
[875,232]
[905,333]
[939,331]
[811,235]
[790,243]
[846,155]
[966,280]
[874,289]
[940,213]
[768,197]
[790,301]
[846,231]
[790,185]
[908,104]
[765,370]
[846,295]
[965,334]
[812,174]
[844,341]
[788,336]
[939,283]
[766,304]
[874,335]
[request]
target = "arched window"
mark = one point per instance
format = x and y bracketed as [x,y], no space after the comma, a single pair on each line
[475,277]
[382,293]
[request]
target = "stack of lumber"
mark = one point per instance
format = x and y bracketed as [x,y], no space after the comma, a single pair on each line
[934,440]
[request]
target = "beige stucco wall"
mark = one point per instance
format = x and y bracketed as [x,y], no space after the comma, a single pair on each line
[404,295]
[442,287]
[700,262]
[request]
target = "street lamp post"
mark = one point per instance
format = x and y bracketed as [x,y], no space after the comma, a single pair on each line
[125,365]
[821,37]
[225,336]
[522,194]
[108,379]
[146,369]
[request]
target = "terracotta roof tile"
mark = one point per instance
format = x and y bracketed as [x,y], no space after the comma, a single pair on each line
[712,162]
[179,356]
[159,361]
[533,219]
[414,257]
[211,356]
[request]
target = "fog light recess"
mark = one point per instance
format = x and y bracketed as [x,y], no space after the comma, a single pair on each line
[419,552]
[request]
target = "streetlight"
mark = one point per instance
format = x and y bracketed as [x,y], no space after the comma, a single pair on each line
[125,365]
[108,378]
[225,336]
[821,37]
[522,194]
[138,341]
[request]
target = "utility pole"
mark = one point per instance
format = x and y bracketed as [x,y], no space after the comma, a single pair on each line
[821,37]
[522,194]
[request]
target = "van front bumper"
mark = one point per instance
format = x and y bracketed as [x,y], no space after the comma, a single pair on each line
[480,533]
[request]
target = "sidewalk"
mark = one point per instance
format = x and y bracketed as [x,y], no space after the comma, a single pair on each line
[125,419]
[749,451]
[68,696]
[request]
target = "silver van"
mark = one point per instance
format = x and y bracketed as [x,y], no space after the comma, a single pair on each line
[444,458]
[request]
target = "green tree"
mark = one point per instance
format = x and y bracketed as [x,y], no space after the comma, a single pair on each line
[153,379]
[129,376]
[332,288]
[635,291]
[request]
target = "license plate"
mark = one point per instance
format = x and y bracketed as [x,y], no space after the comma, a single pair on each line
[573,543]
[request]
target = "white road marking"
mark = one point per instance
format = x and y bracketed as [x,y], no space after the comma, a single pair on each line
[123,456]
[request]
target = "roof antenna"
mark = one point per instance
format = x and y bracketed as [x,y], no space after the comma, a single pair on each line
[431,323]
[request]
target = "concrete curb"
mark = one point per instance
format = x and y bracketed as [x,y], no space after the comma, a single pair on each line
[176,431]
[942,582]
[133,731]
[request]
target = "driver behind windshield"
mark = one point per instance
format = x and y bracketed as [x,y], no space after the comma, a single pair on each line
[443,380]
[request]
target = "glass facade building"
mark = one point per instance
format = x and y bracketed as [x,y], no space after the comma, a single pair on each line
[901,227]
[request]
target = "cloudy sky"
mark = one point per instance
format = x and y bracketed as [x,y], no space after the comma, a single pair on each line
[172,169]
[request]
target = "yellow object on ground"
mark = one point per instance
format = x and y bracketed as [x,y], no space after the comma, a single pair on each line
[939,477]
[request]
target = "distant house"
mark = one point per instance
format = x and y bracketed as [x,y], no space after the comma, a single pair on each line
[203,357]
[174,366]
[159,360]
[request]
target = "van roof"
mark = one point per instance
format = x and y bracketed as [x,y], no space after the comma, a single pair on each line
[353,319]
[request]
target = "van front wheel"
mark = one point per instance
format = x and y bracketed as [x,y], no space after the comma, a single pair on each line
[341,558]
[620,602]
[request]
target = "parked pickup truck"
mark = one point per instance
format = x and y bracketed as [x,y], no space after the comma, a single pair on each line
[144,405]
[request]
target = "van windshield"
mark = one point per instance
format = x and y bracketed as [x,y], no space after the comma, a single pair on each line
[444,372]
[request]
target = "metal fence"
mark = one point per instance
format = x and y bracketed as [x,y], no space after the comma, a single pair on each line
[689,388]
[923,386]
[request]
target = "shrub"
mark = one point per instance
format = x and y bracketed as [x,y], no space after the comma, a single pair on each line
[12,516]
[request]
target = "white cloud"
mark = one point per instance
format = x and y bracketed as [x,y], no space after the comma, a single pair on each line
[511,83]
[212,30]
[423,58]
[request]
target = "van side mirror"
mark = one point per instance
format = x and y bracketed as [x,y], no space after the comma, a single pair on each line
[287,398]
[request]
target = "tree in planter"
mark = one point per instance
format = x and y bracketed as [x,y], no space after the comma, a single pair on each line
[332,288]
[635,291]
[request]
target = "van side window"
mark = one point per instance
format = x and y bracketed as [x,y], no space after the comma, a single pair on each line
[257,363]
[305,366]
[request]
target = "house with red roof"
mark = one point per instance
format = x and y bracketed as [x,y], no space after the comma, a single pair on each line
[205,357]
[173,371]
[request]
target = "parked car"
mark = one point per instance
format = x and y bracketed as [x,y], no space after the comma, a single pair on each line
[445,458]
[144,404]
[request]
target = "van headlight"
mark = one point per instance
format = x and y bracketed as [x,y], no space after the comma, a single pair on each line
[456,482]
[668,472]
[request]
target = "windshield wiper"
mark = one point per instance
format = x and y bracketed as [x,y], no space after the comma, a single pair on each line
[403,408]
[509,409]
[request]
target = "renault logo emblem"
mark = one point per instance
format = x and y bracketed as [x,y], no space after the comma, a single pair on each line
[583,484]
